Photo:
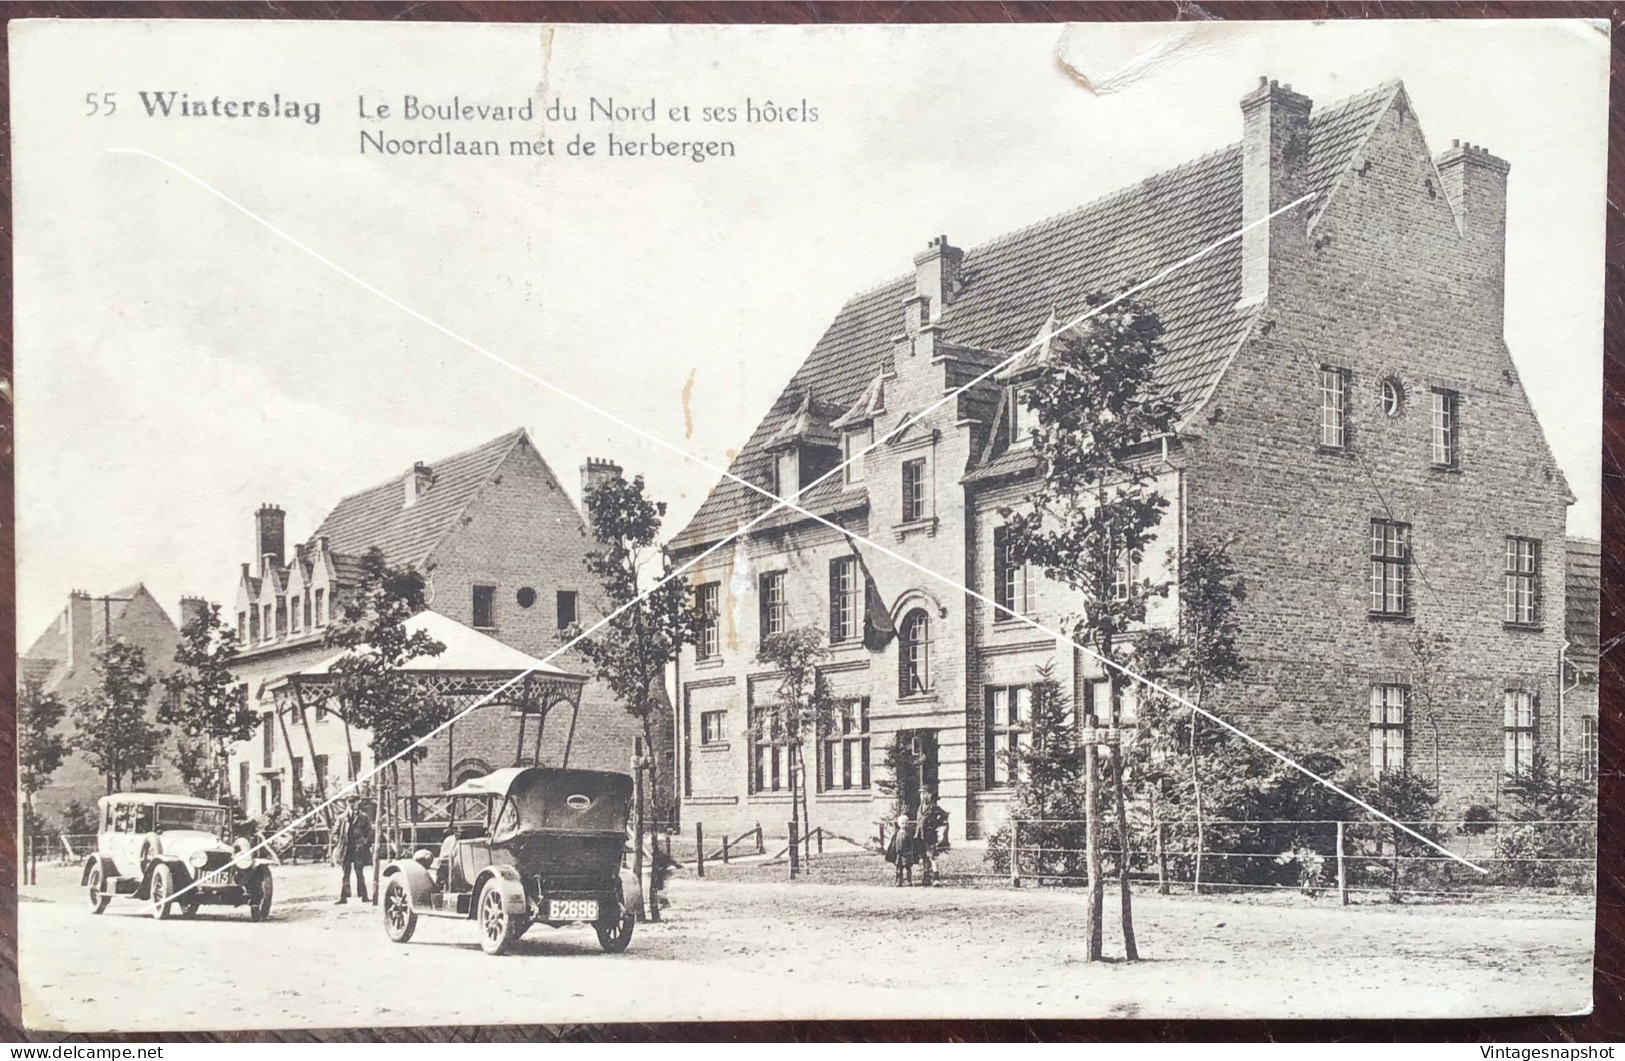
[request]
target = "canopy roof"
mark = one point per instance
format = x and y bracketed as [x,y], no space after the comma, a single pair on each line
[149,798]
[467,652]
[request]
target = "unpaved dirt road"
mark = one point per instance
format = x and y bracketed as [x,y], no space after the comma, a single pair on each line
[731,950]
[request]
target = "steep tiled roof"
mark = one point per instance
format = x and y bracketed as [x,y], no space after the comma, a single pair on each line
[378,517]
[1583,593]
[1013,284]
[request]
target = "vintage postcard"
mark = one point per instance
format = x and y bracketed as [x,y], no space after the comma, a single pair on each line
[580,523]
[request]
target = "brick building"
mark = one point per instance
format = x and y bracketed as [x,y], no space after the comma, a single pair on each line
[1351,422]
[1583,596]
[500,546]
[63,661]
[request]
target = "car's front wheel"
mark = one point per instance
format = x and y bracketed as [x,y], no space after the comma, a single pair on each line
[615,936]
[259,896]
[93,890]
[163,886]
[400,920]
[498,928]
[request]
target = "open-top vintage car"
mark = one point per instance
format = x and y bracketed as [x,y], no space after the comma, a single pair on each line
[151,846]
[549,852]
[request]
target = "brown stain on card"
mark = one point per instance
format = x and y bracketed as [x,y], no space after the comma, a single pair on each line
[688,406]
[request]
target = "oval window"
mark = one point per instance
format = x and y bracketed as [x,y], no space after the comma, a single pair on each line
[526,596]
[1393,398]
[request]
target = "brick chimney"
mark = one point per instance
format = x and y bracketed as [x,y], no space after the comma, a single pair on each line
[416,484]
[1274,148]
[80,633]
[1475,182]
[192,608]
[269,523]
[936,282]
[596,470]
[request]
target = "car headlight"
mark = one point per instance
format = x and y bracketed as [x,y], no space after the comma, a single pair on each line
[244,857]
[198,859]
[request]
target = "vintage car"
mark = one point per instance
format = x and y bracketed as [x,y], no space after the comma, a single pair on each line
[549,851]
[151,846]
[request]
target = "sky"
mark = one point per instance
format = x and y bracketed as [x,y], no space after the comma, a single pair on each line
[178,364]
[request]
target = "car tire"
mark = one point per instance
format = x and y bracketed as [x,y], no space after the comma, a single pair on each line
[615,936]
[498,928]
[400,920]
[162,887]
[93,890]
[259,896]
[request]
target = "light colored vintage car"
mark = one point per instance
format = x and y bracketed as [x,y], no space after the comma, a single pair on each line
[150,846]
[549,851]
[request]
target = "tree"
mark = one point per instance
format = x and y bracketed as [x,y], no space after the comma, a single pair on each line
[1199,655]
[1094,509]
[1429,687]
[1048,770]
[110,718]
[1548,830]
[197,767]
[370,687]
[40,748]
[206,703]
[78,819]
[630,653]
[803,706]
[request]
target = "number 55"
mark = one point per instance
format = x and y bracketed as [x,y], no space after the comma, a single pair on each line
[102,103]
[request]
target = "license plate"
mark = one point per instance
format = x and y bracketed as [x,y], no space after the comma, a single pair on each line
[572,909]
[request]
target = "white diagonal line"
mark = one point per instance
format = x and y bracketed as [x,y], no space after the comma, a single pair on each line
[779,502]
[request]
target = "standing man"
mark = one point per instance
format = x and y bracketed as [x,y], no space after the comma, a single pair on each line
[933,836]
[352,847]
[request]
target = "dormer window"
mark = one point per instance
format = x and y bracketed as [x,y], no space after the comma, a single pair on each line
[853,445]
[1020,417]
[786,475]
[293,612]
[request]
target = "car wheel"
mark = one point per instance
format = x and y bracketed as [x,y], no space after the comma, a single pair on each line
[163,886]
[400,920]
[259,897]
[93,890]
[615,936]
[498,928]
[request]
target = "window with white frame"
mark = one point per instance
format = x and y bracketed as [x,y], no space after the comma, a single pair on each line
[708,605]
[853,443]
[845,760]
[1011,586]
[1125,572]
[1588,748]
[1008,726]
[770,590]
[1021,417]
[1446,426]
[914,655]
[1390,567]
[769,751]
[713,727]
[1518,726]
[1523,581]
[321,607]
[845,600]
[914,499]
[1390,706]
[1334,404]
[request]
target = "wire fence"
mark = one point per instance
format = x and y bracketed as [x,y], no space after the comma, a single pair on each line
[1310,856]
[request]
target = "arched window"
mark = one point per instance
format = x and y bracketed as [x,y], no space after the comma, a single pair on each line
[914,655]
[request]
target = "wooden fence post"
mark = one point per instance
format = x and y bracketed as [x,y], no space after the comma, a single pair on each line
[761,848]
[1015,854]
[795,849]
[724,849]
[1342,873]
[820,839]
[699,850]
